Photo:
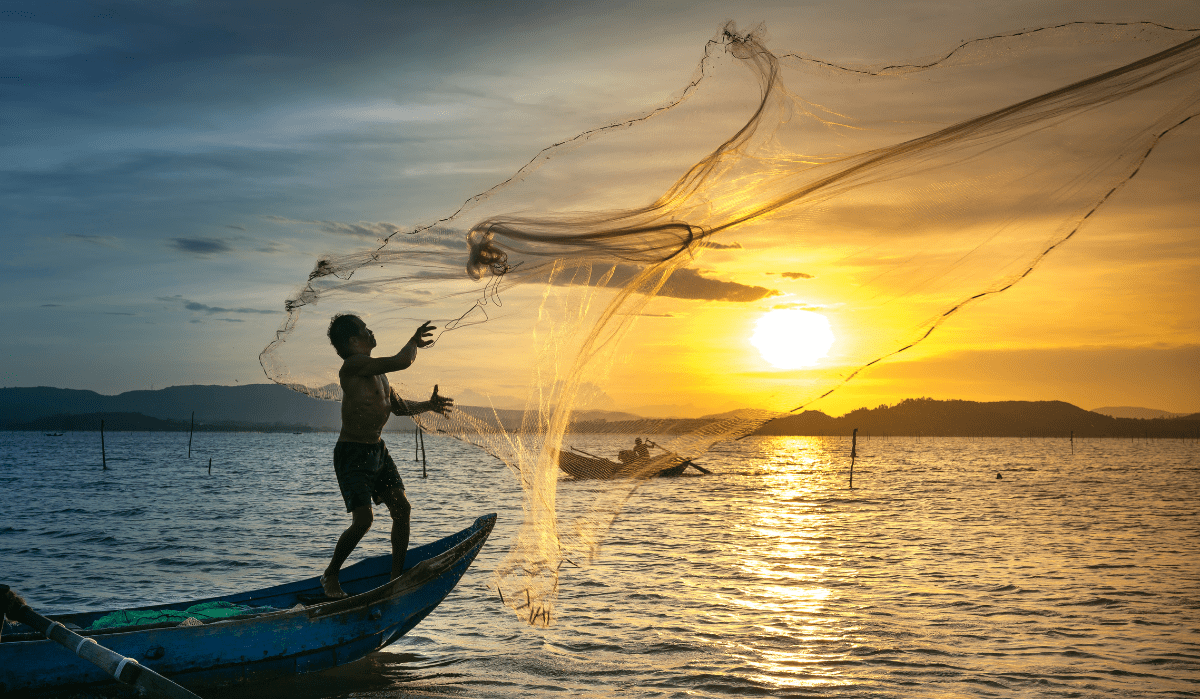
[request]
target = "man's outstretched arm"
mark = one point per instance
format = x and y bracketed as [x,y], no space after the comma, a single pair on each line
[437,404]
[362,365]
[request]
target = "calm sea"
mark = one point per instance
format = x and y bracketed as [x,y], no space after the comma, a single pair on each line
[1077,574]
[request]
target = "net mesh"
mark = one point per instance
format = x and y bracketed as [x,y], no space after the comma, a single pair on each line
[627,265]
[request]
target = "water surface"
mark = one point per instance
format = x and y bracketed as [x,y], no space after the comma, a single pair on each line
[1072,575]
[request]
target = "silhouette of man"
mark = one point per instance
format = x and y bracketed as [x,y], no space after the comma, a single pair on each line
[640,450]
[365,471]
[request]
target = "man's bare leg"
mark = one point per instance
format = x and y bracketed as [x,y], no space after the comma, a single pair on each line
[345,546]
[398,506]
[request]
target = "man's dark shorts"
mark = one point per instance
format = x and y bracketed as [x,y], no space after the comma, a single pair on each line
[364,472]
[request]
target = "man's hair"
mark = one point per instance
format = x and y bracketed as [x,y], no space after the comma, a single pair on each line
[341,329]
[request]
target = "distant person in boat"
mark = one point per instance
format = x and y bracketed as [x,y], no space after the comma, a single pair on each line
[365,471]
[639,452]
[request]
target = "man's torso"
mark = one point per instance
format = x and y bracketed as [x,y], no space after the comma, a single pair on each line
[366,406]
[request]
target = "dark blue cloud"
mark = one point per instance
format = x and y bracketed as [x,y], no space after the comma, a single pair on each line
[201,246]
[210,310]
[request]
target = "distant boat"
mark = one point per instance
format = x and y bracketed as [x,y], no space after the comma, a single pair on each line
[586,466]
[54,434]
[307,633]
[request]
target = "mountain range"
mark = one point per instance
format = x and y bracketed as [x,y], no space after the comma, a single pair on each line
[962,418]
[271,407]
[260,407]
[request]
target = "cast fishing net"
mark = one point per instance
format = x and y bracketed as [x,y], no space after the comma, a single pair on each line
[628,265]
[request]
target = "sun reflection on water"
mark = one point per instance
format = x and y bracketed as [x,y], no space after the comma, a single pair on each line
[788,543]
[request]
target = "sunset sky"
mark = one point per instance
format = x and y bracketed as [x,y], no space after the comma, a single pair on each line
[171,173]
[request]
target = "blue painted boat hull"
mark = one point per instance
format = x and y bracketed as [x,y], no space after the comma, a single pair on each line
[296,640]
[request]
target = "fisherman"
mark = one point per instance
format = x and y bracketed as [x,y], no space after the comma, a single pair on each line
[365,471]
[640,450]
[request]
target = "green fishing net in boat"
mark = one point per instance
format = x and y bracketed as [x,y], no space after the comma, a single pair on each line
[206,611]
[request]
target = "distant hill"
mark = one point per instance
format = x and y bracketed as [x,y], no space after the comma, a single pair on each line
[269,407]
[266,407]
[113,422]
[960,418]
[1139,413]
[236,407]
[136,422]
[742,413]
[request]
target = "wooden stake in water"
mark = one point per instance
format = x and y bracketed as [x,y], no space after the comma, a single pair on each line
[853,454]
[190,431]
[421,433]
[210,465]
[103,456]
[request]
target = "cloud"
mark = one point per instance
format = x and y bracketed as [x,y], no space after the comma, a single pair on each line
[198,307]
[722,246]
[691,285]
[795,275]
[104,241]
[362,229]
[51,305]
[801,306]
[201,246]
[236,228]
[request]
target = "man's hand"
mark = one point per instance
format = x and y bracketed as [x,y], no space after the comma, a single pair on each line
[420,337]
[436,404]
[440,404]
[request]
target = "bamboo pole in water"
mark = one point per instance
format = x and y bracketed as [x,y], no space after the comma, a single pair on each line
[421,432]
[190,431]
[853,454]
[103,455]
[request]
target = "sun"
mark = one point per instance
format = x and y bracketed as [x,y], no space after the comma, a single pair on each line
[790,338]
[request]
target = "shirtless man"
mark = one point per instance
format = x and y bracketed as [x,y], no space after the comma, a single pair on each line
[364,469]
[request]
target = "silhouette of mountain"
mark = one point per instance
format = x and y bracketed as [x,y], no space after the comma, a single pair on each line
[270,407]
[136,422]
[113,422]
[255,404]
[960,418]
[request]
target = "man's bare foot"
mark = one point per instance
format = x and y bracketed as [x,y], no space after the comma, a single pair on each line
[331,586]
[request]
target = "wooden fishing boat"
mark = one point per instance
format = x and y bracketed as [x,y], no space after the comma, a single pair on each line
[592,467]
[307,634]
